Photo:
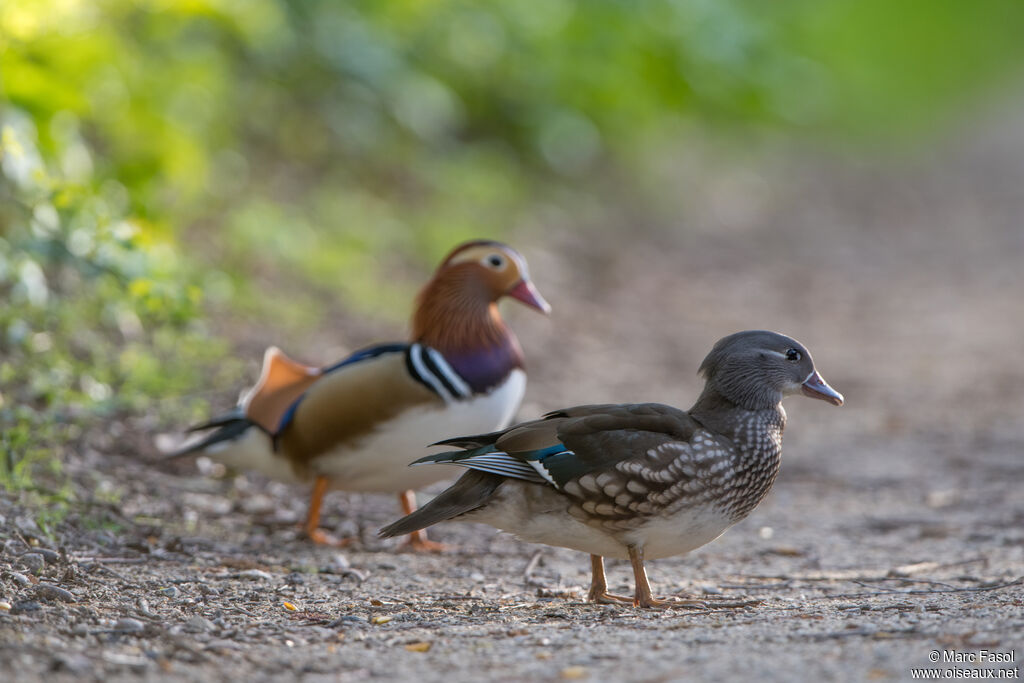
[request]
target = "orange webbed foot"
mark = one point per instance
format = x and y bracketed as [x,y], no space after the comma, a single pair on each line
[606,598]
[419,543]
[321,537]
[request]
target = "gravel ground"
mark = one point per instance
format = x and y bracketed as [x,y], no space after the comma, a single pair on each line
[896,527]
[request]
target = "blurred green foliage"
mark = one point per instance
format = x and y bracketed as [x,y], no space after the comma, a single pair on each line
[158,152]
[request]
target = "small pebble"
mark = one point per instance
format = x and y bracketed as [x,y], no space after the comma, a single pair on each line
[199,624]
[129,625]
[49,591]
[170,591]
[255,575]
[20,579]
[51,556]
[477,576]
[144,610]
[13,547]
[33,562]
[5,606]
[25,606]
[73,663]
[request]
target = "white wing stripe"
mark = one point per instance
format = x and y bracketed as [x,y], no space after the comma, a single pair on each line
[503,464]
[543,471]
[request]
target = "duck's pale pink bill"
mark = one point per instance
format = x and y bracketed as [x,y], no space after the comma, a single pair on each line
[816,387]
[528,294]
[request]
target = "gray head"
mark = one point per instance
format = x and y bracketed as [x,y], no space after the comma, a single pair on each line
[755,369]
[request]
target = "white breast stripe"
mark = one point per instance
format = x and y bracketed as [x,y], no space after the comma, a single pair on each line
[461,388]
[416,356]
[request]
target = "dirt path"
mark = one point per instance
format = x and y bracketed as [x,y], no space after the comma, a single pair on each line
[896,527]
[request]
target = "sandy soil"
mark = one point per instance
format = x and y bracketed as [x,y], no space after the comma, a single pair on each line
[896,527]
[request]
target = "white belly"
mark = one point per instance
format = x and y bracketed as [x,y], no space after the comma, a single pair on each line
[679,534]
[539,514]
[253,451]
[380,461]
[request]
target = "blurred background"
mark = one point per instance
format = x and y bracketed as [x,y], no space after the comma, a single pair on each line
[184,182]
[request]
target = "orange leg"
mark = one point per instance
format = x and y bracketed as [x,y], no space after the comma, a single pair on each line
[642,597]
[312,527]
[599,585]
[418,540]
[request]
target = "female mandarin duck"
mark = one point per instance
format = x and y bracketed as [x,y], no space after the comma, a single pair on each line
[352,425]
[640,480]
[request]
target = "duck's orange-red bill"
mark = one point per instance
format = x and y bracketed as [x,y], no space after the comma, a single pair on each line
[528,294]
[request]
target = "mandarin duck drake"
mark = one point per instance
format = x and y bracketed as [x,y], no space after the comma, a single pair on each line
[637,481]
[351,425]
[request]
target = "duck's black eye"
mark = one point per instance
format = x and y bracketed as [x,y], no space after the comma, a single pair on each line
[495,261]
[793,355]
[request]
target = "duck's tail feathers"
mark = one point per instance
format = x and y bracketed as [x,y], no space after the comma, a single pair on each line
[234,415]
[228,428]
[472,491]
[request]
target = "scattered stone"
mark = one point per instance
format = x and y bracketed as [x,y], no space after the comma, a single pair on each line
[254,575]
[144,610]
[25,607]
[169,592]
[51,556]
[942,499]
[914,568]
[49,591]
[73,663]
[5,606]
[574,673]
[33,562]
[199,624]
[129,625]
[19,579]
[13,546]
[27,526]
